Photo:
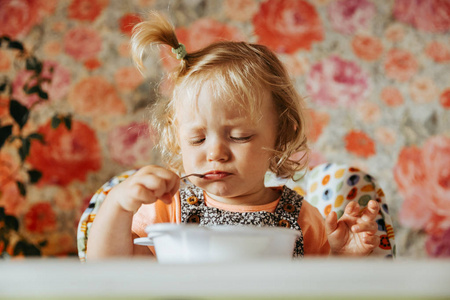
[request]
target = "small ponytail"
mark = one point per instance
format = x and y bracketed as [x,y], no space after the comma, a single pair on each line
[157,30]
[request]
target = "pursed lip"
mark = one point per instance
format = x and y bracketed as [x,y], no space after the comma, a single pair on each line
[215,175]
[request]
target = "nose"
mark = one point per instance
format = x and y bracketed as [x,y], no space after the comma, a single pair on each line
[218,151]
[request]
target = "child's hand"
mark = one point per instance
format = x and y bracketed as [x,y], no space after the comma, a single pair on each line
[355,232]
[147,185]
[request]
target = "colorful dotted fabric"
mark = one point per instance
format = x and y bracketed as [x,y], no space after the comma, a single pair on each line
[330,187]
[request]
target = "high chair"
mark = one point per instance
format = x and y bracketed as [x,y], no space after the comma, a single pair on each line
[328,187]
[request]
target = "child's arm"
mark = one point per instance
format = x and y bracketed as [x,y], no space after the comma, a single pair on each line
[355,232]
[110,234]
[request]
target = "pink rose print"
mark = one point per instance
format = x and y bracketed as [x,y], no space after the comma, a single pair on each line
[288,25]
[86,10]
[128,78]
[17,17]
[439,52]
[439,245]
[67,155]
[96,96]
[336,81]
[40,218]
[131,145]
[423,179]
[426,15]
[82,43]
[391,96]
[56,90]
[367,47]
[347,16]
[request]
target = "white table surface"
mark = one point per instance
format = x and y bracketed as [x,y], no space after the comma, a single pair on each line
[146,279]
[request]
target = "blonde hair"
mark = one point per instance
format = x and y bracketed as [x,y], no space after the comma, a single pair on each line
[240,69]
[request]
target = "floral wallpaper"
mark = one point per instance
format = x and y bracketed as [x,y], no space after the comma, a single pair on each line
[375,75]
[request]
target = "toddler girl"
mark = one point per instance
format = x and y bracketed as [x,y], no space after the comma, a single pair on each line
[232,116]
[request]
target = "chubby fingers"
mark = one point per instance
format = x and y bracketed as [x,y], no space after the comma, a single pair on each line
[331,223]
[158,183]
[352,209]
[369,227]
[147,185]
[366,221]
[371,211]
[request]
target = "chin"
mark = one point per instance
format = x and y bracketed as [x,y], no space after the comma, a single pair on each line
[219,189]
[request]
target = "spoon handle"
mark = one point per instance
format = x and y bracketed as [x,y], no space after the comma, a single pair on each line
[193,174]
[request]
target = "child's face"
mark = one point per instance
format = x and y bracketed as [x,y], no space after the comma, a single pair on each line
[228,145]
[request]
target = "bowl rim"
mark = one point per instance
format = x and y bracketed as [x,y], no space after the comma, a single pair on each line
[159,229]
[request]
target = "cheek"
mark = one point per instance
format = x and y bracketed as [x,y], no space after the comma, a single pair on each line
[190,157]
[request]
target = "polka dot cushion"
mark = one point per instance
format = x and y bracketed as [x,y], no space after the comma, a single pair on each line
[330,187]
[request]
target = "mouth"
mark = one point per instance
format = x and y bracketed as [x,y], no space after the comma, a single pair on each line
[216,175]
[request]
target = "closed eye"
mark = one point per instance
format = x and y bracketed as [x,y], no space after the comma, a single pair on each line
[196,142]
[241,139]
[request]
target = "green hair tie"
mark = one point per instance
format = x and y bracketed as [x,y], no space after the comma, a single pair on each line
[180,51]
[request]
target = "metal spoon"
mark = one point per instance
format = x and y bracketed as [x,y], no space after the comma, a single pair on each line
[193,174]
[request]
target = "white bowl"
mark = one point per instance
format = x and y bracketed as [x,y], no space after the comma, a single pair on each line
[190,243]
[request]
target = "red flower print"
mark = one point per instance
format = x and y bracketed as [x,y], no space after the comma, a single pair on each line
[359,143]
[40,218]
[288,25]
[127,22]
[391,96]
[86,10]
[51,71]
[347,16]
[10,197]
[95,96]
[439,52]
[200,34]
[92,64]
[131,145]
[206,31]
[82,43]
[444,99]
[17,17]
[426,15]
[335,81]
[367,47]
[67,155]
[400,64]
[423,179]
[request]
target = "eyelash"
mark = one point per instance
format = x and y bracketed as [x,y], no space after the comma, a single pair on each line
[236,139]
[241,139]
